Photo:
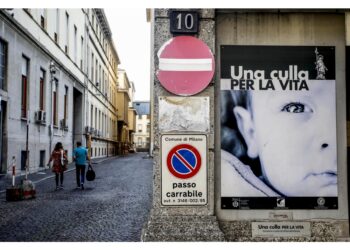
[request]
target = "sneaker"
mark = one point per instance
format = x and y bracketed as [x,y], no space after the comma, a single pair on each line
[61,187]
[78,187]
[57,188]
[82,186]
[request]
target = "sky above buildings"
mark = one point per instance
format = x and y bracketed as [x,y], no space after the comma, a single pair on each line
[131,36]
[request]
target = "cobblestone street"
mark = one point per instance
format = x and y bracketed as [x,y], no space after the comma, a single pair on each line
[114,207]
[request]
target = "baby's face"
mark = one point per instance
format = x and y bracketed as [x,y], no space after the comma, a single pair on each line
[295,132]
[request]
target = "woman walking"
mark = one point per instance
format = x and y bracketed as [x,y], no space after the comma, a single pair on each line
[59,158]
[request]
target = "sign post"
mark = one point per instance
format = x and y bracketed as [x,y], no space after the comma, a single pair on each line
[27,147]
[13,171]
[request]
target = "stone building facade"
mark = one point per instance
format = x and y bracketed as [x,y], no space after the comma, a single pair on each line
[101,80]
[143,126]
[43,82]
[126,114]
[214,221]
[59,76]
[131,119]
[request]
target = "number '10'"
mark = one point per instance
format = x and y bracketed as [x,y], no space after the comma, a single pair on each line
[188,21]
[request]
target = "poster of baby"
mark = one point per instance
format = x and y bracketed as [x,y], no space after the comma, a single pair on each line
[278,127]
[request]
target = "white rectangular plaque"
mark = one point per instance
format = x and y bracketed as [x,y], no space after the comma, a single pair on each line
[184,170]
[183,114]
[281,229]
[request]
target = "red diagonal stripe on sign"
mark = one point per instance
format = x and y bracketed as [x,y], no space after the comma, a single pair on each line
[184,161]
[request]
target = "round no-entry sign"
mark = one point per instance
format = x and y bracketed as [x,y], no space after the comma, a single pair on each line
[186,65]
[184,161]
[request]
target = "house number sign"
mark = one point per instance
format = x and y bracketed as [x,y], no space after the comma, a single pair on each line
[183,22]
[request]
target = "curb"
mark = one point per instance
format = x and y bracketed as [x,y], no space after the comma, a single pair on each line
[69,170]
[43,179]
[103,160]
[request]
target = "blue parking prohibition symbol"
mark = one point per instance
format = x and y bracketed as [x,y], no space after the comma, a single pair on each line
[184,161]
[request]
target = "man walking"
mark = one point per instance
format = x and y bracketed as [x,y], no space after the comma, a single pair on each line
[80,155]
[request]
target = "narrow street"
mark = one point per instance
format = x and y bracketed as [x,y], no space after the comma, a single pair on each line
[114,207]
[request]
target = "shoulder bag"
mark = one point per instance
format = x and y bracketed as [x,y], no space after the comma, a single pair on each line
[90,174]
[64,162]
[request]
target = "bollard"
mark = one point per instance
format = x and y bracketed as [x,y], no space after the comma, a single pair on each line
[13,170]
[14,193]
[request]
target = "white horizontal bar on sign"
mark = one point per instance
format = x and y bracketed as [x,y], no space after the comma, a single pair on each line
[169,64]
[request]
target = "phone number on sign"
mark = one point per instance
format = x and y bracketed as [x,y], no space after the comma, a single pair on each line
[191,200]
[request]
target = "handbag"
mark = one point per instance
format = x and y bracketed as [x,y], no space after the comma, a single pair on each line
[90,174]
[64,162]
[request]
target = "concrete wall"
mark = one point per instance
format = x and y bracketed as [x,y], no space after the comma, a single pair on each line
[347,28]
[188,222]
[273,28]
[161,35]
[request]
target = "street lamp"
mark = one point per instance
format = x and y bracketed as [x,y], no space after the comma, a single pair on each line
[53,70]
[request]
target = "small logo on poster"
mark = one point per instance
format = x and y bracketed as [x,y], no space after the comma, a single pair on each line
[235,203]
[281,202]
[321,201]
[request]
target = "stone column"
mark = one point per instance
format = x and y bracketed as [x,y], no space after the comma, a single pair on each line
[181,223]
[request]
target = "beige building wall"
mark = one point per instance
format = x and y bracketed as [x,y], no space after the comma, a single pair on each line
[131,123]
[123,96]
[131,115]
[101,79]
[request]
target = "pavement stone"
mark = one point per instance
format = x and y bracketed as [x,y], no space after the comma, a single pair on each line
[113,207]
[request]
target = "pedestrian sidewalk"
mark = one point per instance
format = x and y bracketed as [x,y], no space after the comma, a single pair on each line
[6,180]
[100,160]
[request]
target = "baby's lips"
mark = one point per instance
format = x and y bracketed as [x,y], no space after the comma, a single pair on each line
[328,178]
[324,174]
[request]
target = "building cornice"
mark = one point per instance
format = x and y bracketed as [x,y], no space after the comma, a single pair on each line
[100,14]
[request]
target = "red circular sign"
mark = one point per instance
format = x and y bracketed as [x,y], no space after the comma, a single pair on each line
[186,65]
[184,161]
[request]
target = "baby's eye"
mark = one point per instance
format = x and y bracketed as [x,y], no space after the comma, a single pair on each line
[296,107]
